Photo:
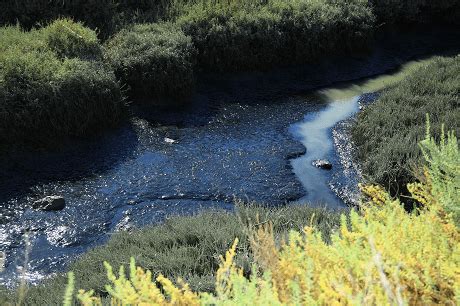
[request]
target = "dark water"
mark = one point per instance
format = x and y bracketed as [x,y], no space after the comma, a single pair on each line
[243,137]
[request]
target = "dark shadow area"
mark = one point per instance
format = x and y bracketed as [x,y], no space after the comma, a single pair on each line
[72,161]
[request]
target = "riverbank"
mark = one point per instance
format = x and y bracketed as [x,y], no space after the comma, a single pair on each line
[386,133]
[181,247]
[156,63]
[132,177]
[229,141]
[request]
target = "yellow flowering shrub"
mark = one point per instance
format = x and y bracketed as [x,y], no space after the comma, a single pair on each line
[382,255]
[139,289]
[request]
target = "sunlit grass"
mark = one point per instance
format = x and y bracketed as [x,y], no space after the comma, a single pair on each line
[387,132]
[186,247]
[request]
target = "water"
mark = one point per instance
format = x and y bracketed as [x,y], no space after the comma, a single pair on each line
[316,129]
[249,137]
[133,177]
[314,133]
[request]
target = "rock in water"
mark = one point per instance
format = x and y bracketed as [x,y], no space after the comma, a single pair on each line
[50,203]
[170,140]
[322,163]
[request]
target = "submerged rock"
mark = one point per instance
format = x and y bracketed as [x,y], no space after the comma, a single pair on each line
[50,203]
[322,163]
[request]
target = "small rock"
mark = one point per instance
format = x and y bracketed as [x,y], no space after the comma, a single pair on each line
[322,163]
[170,140]
[50,203]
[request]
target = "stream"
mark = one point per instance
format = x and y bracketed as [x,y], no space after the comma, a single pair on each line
[248,137]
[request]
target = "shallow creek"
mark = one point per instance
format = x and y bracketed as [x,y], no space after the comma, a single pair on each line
[325,135]
[249,137]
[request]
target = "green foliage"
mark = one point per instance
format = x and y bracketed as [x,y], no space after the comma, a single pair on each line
[155,60]
[444,169]
[100,14]
[44,98]
[13,37]
[230,38]
[182,247]
[387,132]
[71,39]
[416,11]
[107,16]
[234,36]
[68,296]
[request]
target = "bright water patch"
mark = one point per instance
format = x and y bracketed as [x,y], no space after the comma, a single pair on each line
[314,133]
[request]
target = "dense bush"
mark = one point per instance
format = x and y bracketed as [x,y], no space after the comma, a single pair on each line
[387,132]
[44,98]
[380,256]
[100,14]
[107,16]
[241,36]
[416,11]
[315,28]
[232,38]
[155,60]
[182,247]
[70,39]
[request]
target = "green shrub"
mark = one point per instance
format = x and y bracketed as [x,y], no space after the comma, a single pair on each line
[13,37]
[233,39]
[314,28]
[107,16]
[97,14]
[71,39]
[443,171]
[242,37]
[155,60]
[387,132]
[416,11]
[185,247]
[44,99]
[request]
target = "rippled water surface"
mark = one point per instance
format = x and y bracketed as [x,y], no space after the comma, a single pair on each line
[245,136]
